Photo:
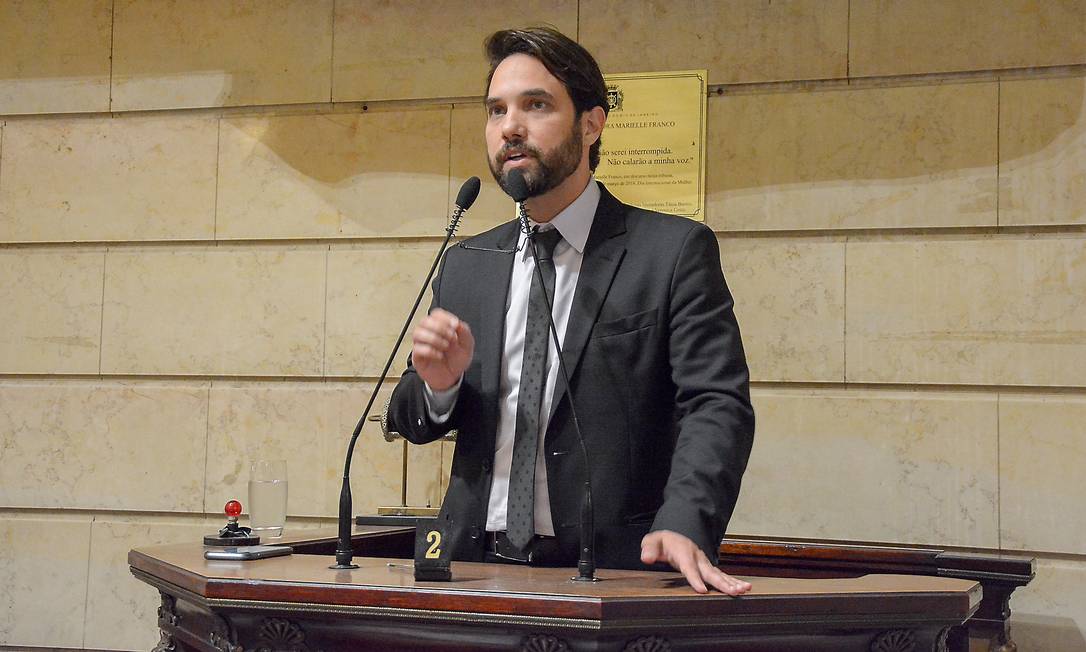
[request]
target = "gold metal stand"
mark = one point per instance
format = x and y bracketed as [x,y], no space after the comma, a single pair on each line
[403,509]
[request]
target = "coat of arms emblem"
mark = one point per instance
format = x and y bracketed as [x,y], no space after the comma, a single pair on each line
[614,98]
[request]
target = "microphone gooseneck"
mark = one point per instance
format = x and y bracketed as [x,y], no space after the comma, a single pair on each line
[344,552]
[586,563]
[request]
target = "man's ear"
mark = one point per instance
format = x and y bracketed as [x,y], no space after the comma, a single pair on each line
[592,122]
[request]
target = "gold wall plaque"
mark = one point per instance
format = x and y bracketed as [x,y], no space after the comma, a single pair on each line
[653,152]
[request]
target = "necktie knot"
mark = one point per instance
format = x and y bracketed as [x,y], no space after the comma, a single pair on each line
[546,241]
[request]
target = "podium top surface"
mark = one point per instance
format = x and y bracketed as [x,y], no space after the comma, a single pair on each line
[499,590]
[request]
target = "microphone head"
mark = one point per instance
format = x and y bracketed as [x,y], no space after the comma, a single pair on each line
[468,192]
[516,186]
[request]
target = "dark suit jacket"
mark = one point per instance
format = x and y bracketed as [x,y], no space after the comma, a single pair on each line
[659,379]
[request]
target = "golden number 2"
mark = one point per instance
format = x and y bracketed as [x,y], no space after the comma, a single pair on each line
[434,551]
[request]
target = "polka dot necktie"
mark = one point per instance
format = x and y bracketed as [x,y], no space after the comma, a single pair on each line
[520,519]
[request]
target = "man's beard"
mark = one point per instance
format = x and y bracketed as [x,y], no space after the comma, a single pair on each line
[551,169]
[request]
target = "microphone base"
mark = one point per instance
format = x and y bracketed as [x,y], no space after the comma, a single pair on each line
[344,556]
[212,540]
[581,578]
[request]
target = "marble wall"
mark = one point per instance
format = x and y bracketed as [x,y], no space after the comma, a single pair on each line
[213,216]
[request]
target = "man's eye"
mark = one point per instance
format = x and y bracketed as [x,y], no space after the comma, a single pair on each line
[539,105]
[495,110]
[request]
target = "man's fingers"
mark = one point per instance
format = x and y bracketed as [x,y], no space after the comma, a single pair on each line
[650,553]
[424,353]
[463,334]
[719,579]
[441,349]
[438,328]
[441,321]
[651,548]
[685,557]
[442,314]
[443,333]
[689,568]
[433,339]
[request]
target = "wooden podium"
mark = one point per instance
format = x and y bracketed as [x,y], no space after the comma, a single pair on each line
[298,603]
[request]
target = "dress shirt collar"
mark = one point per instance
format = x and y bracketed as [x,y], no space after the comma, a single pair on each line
[575,220]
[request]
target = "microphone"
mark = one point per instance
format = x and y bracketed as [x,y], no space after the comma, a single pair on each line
[344,553]
[465,198]
[517,188]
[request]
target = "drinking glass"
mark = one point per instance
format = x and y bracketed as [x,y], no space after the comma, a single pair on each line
[268,497]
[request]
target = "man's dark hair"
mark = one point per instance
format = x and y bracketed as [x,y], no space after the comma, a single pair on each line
[564,58]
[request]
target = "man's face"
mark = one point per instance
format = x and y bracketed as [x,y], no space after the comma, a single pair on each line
[531,125]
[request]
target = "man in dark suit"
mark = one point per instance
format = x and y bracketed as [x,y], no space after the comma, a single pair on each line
[657,372]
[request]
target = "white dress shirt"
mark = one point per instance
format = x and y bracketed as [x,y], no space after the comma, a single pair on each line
[574,223]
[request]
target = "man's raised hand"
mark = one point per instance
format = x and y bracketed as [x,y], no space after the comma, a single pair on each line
[442,347]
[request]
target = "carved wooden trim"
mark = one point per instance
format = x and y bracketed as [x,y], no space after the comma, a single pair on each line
[281,635]
[1004,642]
[543,643]
[222,643]
[897,640]
[941,642]
[167,611]
[648,644]
[165,643]
[221,637]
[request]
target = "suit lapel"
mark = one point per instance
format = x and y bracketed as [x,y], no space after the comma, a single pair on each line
[491,298]
[603,252]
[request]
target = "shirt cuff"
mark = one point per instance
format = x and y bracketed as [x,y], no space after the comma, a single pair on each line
[440,404]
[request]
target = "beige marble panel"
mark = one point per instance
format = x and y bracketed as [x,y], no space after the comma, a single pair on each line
[56,55]
[990,311]
[371,288]
[172,54]
[379,173]
[122,611]
[906,467]
[377,466]
[926,36]
[309,425]
[1042,151]
[295,422]
[790,303]
[493,206]
[222,311]
[43,569]
[870,158]
[736,41]
[1041,456]
[100,445]
[52,311]
[437,50]
[1050,613]
[130,178]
